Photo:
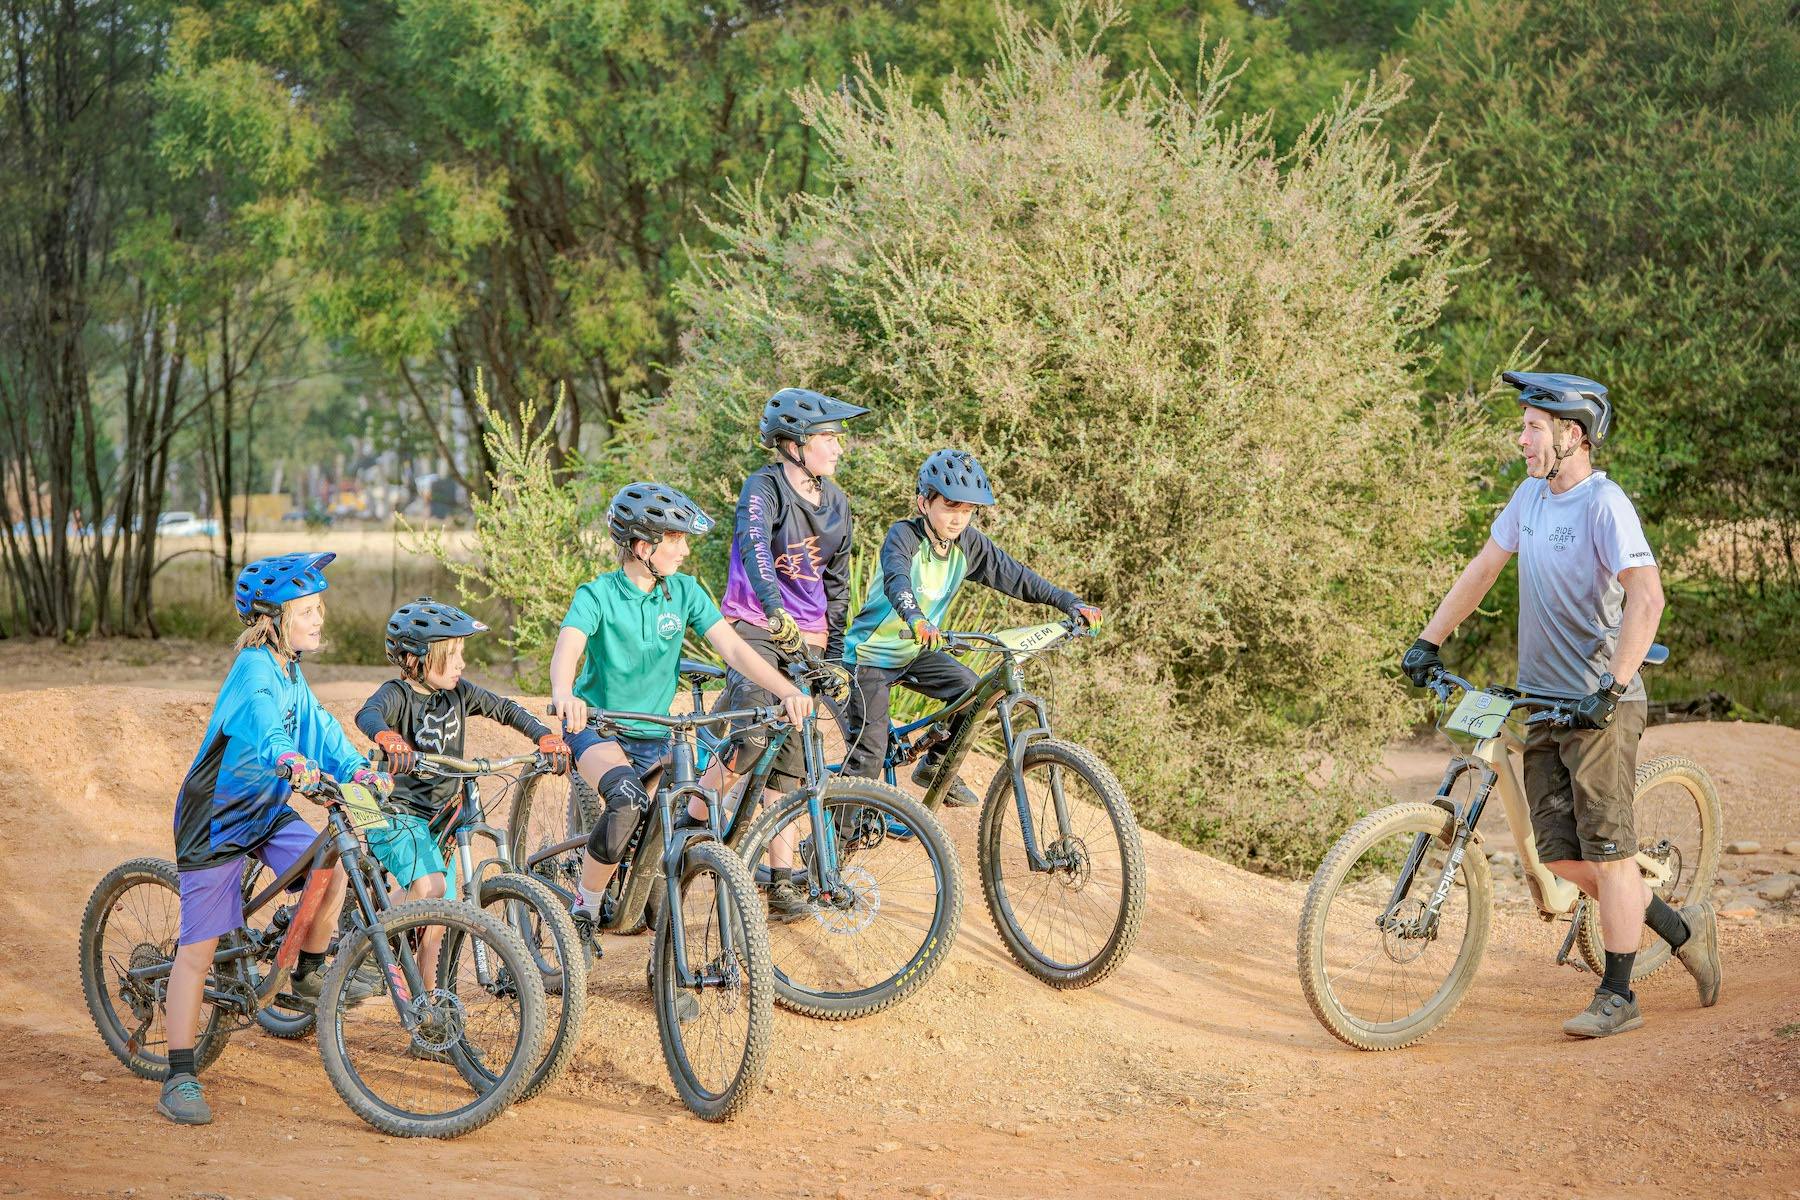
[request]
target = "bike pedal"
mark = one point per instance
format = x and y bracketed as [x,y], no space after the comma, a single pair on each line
[296,1002]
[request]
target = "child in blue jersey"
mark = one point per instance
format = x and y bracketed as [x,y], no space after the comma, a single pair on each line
[788,585]
[234,801]
[924,561]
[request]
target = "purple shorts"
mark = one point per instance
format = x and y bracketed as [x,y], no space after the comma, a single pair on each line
[212,898]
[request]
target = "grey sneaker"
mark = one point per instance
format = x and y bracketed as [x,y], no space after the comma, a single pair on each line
[182,1102]
[788,902]
[308,986]
[961,795]
[1700,953]
[1606,1014]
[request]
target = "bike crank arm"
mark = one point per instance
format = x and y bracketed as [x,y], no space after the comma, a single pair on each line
[1568,943]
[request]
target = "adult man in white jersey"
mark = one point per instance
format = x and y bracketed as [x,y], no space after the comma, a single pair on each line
[1590,598]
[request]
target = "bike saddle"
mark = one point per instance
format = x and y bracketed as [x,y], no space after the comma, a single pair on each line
[698,672]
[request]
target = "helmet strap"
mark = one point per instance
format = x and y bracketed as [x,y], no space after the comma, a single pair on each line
[657,578]
[799,460]
[1557,448]
[940,545]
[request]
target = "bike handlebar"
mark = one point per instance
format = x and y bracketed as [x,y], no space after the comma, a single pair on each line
[1554,712]
[443,765]
[766,715]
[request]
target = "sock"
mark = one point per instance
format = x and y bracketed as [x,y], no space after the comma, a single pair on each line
[181,1062]
[309,962]
[1617,979]
[1666,923]
[590,900]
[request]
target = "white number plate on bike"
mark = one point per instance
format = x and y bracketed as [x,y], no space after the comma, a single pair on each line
[360,802]
[1481,714]
[1030,638]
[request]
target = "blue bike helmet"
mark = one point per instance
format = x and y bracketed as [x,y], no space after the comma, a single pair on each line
[955,475]
[268,583]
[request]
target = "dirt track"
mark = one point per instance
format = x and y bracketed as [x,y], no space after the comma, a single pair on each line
[1196,1068]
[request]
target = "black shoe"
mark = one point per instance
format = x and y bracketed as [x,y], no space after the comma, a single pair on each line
[587,928]
[788,902]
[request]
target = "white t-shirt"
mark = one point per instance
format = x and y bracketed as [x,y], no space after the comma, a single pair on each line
[1571,549]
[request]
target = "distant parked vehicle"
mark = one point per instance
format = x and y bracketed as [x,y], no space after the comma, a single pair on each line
[185,524]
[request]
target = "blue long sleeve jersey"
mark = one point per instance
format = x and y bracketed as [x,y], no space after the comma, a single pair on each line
[232,800]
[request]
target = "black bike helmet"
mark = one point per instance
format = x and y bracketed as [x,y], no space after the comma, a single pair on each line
[955,475]
[413,627]
[1568,396]
[643,512]
[797,414]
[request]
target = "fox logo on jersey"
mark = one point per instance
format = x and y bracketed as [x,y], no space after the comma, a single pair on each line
[802,557]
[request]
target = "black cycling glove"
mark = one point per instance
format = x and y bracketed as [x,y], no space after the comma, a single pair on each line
[1420,661]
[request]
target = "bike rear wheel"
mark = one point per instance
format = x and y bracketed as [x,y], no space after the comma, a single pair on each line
[1378,989]
[715,1037]
[133,920]
[888,927]
[486,1029]
[536,914]
[547,811]
[1070,926]
[1678,822]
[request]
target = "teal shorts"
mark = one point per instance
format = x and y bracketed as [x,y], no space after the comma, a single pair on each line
[408,851]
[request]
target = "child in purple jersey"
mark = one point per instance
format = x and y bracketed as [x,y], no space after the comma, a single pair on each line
[788,586]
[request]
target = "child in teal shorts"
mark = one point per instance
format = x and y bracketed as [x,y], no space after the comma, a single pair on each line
[428,709]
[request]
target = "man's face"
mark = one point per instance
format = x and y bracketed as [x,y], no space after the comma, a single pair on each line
[1539,433]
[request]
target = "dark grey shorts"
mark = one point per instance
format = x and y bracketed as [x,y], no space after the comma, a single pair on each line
[1580,784]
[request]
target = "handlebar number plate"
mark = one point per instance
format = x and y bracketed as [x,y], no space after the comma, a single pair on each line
[1030,638]
[1480,715]
[360,802]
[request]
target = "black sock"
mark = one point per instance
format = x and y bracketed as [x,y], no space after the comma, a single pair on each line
[1667,923]
[181,1062]
[309,962]
[1617,979]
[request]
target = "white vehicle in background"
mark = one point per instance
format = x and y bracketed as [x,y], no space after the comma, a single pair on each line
[185,524]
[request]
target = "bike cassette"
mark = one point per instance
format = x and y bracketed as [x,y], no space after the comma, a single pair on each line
[144,996]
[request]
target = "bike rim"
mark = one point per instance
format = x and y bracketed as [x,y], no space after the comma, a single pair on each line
[474,1032]
[1065,917]
[1382,980]
[708,1028]
[881,918]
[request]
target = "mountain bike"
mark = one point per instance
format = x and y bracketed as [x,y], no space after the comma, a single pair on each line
[710,975]
[436,1059]
[1398,914]
[1062,861]
[533,910]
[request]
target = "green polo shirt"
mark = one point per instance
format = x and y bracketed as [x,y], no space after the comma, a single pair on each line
[634,642]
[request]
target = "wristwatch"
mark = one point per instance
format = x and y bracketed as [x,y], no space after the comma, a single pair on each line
[1611,686]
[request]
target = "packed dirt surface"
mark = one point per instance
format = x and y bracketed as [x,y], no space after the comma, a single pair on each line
[1196,1069]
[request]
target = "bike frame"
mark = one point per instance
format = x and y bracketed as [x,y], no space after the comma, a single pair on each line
[1006,681]
[1492,760]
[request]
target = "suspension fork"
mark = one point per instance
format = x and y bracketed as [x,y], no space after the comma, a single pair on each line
[400,971]
[1463,829]
[1017,741]
[679,781]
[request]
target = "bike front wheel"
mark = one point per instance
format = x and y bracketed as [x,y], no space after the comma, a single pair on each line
[1381,975]
[537,915]
[1072,921]
[884,926]
[449,1059]
[715,1034]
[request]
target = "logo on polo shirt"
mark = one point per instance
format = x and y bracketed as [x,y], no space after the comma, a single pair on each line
[1562,537]
[668,625]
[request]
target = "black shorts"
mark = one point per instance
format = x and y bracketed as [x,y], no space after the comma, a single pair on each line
[1580,784]
[790,761]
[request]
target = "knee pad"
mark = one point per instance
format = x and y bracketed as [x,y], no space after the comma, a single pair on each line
[626,804]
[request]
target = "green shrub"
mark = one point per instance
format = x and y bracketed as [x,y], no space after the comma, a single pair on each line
[1192,366]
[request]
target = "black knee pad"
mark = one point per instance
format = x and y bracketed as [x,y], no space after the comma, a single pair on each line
[626,803]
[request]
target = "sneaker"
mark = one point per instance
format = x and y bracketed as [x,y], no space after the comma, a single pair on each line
[587,928]
[308,987]
[414,1050]
[925,771]
[961,795]
[1700,953]
[788,902]
[899,830]
[182,1102]
[1606,1014]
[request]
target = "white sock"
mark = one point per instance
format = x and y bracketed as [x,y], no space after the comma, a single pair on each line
[590,900]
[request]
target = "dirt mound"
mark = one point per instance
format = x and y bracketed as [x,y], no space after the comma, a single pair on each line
[1198,1063]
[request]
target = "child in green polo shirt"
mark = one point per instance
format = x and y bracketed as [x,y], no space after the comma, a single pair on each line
[624,632]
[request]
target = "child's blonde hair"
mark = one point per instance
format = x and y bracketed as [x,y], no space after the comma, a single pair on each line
[436,655]
[265,630]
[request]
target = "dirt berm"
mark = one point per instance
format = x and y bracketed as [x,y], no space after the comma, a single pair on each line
[1196,1070]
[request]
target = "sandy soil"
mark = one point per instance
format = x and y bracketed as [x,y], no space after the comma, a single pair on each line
[1197,1066]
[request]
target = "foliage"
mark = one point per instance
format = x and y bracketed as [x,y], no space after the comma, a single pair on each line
[1192,365]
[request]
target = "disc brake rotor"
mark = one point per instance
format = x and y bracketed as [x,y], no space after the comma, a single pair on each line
[855,905]
[441,1020]
[1402,937]
[1069,863]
